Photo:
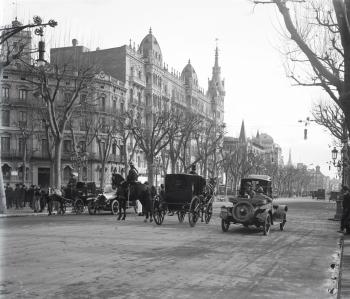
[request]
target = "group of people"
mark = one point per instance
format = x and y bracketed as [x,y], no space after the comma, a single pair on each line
[21,196]
[257,194]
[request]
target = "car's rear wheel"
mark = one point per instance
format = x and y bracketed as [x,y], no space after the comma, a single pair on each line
[225,225]
[115,207]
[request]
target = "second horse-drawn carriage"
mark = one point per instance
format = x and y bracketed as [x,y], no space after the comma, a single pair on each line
[185,194]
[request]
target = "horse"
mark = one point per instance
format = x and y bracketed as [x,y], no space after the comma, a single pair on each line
[134,191]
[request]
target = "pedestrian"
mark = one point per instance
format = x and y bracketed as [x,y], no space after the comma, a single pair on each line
[36,200]
[30,196]
[162,192]
[9,196]
[346,208]
[22,197]
[43,200]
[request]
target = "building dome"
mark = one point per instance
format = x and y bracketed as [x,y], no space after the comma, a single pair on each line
[150,48]
[189,74]
[265,139]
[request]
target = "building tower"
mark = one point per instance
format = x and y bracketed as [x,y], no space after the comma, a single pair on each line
[242,137]
[290,158]
[216,89]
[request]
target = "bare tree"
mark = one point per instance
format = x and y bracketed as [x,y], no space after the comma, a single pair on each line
[151,136]
[8,54]
[331,117]
[50,81]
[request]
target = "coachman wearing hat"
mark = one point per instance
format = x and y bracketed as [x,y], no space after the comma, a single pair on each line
[133,174]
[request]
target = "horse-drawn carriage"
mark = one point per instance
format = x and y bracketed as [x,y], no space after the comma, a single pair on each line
[185,193]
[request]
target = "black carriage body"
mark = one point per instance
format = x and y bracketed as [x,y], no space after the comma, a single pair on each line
[180,189]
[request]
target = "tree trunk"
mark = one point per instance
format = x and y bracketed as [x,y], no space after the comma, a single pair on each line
[2,189]
[102,180]
[24,160]
[57,163]
[150,170]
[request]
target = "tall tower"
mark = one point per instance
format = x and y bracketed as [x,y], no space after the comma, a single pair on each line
[242,137]
[290,158]
[216,89]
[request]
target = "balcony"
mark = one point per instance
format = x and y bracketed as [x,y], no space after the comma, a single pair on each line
[137,81]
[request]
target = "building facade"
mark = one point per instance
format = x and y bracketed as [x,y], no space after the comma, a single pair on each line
[133,80]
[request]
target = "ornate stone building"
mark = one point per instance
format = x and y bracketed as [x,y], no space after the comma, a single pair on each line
[131,79]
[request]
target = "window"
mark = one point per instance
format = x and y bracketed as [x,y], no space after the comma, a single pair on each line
[5,93]
[21,146]
[5,144]
[140,74]
[82,98]
[82,124]
[6,172]
[23,94]
[114,105]
[44,145]
[67,97]
[103,104]
[67,146]
[22,119]
[122,107]
[138,162]
[5,120]
[82,146]
[102,148]
[114,148]
[20,173]
[84,173]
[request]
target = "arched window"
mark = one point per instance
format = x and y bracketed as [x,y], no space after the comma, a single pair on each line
[6,172]
[67,173]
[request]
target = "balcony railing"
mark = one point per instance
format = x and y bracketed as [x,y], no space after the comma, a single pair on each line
[138,81]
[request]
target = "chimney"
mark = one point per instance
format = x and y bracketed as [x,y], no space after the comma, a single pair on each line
[74,42]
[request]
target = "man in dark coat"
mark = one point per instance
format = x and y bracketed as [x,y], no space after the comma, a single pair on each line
[133,174]
[346,207]
[9,196]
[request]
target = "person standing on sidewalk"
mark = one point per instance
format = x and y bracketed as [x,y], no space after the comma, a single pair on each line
[346,207]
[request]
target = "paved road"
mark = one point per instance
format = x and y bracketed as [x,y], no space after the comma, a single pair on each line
[97,257]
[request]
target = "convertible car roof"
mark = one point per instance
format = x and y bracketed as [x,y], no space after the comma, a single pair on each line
[258,177]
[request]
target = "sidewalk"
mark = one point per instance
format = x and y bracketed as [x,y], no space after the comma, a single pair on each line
[26,211]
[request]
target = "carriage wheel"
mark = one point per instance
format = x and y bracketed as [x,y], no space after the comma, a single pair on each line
[267,225]
[225,225]
[181,216]
[208,213]
[115,207]
[158,213]
[91,209]
[194,211]
[78,206]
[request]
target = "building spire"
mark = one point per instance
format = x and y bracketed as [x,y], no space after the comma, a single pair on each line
[290,158]
[216,53]
[242,137]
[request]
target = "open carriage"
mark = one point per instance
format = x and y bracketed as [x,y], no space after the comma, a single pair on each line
[185,194]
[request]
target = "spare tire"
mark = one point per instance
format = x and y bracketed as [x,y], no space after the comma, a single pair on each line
[243,211]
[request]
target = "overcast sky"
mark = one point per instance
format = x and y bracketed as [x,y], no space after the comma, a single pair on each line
[257,89]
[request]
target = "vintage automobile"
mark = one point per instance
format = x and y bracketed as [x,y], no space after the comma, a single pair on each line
[185,193]
[103,202]
[258,210]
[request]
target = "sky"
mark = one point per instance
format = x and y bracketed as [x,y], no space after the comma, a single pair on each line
[249,39]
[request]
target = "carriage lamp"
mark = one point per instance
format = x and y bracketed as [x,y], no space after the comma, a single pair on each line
[334,155]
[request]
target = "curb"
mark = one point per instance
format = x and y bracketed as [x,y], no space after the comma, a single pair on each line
[341,241]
